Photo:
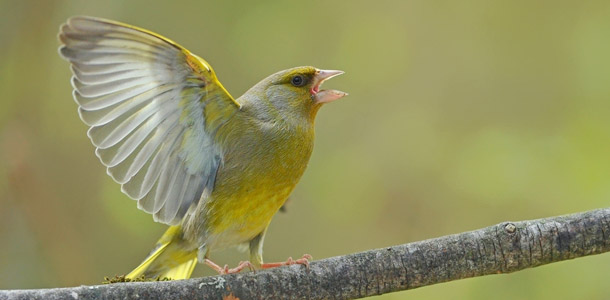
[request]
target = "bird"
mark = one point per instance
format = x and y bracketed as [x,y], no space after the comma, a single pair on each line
[214,168]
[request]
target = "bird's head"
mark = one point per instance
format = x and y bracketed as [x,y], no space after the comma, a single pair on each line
[296,93]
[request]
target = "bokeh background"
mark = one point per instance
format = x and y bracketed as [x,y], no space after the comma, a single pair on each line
[461,114]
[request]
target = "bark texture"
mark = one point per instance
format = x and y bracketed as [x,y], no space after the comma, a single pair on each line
[502,248]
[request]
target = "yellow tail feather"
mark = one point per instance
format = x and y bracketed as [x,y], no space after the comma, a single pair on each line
[172,258]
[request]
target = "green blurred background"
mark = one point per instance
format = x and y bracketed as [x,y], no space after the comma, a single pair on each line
[461,114]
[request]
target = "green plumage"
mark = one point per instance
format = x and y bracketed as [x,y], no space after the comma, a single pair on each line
[214,167]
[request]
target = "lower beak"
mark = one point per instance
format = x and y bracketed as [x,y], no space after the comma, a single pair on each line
[325,96]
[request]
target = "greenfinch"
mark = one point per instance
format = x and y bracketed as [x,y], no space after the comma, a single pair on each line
[214,168]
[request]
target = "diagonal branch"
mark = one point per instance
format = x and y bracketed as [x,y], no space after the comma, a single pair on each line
[503,248]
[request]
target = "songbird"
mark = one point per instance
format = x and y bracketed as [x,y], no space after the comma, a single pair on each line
[214,168]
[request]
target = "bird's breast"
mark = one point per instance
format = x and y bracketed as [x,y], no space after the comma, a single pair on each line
[261,167]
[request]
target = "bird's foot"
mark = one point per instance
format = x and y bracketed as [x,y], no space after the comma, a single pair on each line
[301,261]
[225,270]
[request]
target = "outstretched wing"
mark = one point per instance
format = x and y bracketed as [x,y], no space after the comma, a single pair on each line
[153,109]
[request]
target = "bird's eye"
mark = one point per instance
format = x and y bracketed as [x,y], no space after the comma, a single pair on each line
[298,80]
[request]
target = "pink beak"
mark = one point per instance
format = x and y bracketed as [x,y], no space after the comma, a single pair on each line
[325,96]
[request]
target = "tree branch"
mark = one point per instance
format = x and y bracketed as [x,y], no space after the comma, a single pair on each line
[503,248]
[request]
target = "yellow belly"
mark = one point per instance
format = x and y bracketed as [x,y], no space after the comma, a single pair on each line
[260,169]
[236,221]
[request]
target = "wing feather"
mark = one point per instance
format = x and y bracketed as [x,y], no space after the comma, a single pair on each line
[95,103]
[97,78]
[139,156]
[146,100]
[96,117]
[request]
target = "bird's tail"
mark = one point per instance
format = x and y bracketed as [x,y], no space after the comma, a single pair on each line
[171,258]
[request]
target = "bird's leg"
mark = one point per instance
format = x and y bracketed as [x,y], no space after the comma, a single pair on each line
[301,261]
[225,270]
[256,255]
[202,256]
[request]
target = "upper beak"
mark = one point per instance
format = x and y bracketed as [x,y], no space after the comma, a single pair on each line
[325,96]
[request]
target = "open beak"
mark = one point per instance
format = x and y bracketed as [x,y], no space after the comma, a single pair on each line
[325,96]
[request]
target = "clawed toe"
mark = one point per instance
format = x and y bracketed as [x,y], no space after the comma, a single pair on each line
[246,264]
[225,270]
[301,261]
